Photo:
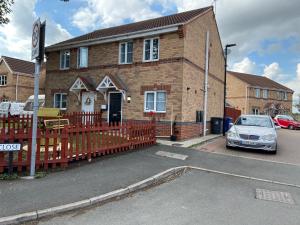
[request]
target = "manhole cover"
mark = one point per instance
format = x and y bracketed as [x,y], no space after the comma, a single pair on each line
[276,196]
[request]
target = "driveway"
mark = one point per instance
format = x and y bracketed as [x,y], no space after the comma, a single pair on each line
[288,148]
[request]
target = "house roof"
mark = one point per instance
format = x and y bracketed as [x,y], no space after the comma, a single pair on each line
[259,81]
[179,18]
[19,65]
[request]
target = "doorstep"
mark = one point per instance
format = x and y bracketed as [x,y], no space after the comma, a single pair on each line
[190,142]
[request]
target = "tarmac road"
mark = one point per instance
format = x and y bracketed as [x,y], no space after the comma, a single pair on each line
[195,198]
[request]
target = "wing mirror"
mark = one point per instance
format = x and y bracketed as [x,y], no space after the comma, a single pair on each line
[230,125]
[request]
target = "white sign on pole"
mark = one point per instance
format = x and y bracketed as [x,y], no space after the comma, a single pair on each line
[35,45]
[10,147]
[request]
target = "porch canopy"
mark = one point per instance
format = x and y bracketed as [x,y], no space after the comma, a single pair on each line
[111,83]
[82,84]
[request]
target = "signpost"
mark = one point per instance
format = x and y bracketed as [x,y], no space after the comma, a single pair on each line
[10,148]
[37,53]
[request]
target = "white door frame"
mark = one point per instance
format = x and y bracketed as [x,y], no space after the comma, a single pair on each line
[108,105]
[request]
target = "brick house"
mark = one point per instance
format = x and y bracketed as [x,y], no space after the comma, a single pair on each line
[17,79]
[254,94]
[131,70]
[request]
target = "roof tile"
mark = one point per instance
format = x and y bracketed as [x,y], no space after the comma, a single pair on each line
[259,81]
[19,66]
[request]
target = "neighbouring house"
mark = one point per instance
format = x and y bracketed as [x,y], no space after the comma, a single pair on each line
[17,79]
[254,94]
[134,70]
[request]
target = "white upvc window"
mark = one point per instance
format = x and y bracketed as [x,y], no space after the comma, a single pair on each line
[64,59]
[151,49]
[126,52]
[265,93]
[285,96]
[82,57]
[257,92]
[255,111]
[3,80]
[60,101]
[155,101]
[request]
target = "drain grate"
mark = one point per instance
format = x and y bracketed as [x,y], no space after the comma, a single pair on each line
[275,196]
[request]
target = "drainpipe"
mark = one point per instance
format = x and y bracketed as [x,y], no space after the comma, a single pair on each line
[205,82]
[17,84]
[246,99]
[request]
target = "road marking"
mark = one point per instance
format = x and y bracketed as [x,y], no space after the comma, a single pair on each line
[171,155]
[245,177]
[249,157]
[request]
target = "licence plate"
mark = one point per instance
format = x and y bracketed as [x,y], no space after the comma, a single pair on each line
[248,143]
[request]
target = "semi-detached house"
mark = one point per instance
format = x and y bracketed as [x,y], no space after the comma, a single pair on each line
[135,70]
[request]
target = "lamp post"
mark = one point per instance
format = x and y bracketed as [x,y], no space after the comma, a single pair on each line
[225,83]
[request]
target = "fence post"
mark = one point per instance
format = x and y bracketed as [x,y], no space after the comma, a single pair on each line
[64,147]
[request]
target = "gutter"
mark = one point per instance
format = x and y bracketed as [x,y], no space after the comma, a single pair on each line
[113,38]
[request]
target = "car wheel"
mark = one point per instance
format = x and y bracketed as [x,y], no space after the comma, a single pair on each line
[291,127]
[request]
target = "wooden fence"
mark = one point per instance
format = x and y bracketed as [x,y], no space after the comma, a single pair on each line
[233,113]
[56,148]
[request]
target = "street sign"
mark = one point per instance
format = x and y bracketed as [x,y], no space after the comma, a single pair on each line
[10,147]
[35,43]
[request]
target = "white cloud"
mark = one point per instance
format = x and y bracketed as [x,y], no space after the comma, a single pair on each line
[15,37]
[102,13]
[272,71]
[244,66]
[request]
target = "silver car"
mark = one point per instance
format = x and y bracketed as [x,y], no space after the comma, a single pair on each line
[253,131]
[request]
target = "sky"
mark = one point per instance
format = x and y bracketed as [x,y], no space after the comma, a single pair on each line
[266,32]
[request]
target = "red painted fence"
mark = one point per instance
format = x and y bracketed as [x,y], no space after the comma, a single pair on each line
[74,142]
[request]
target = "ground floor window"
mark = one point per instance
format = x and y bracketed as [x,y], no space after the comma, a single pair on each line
[155,101]
[60,100]
[255,111]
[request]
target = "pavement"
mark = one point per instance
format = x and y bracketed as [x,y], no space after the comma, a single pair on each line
[288,149]
[190,142]
[197,197]
[104,174]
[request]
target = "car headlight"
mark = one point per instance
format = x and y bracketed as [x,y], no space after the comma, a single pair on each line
[232,134]
[268,137]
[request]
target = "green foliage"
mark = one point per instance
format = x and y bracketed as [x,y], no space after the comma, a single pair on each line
[40,174]
[6,176]
[5,8]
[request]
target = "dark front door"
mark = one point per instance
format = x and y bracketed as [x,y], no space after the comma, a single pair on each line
[115,107]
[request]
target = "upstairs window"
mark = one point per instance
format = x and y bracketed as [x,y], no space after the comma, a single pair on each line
[257,92]
[126,52]
[65,59]
[265,93]
[60,100]
[3,80]
[155,101]
[82,57]
[285,96]
[151,49]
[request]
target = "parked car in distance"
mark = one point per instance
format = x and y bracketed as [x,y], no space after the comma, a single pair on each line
[254,132]
[28,108]
[11,108]
[286,121]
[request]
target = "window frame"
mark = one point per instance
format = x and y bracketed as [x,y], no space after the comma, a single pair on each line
[62,54]
[267,94]
[255,111]
[151,49]
[60,105]
[257,91]
[78,57]
[2,79]
[126,52]
[285,96]
[155,101]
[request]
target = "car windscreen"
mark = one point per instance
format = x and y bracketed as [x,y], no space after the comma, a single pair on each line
[254,121]
[29,105]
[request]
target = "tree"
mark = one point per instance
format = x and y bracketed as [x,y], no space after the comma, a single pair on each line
[5,9]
